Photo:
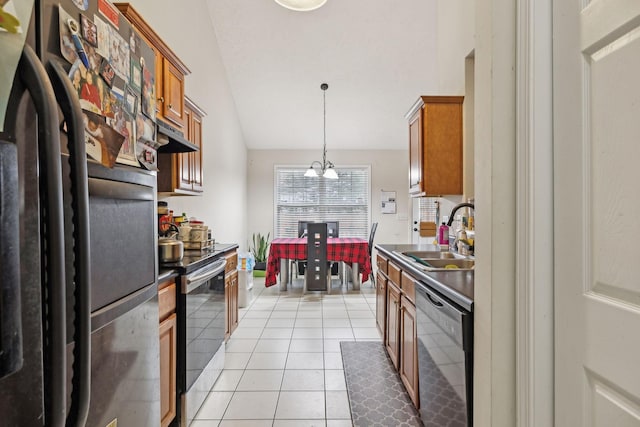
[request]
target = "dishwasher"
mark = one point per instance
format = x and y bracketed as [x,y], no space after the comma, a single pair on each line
[445,360]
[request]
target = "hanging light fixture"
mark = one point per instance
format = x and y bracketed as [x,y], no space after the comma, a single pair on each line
[326,167]
[301,5]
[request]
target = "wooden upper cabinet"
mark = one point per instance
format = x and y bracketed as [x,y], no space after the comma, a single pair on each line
[435,146]
[169,70]
[195,136]
[181,173]
[172,93]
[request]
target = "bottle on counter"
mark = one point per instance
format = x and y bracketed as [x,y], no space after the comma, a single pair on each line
[163,208]
[443,234]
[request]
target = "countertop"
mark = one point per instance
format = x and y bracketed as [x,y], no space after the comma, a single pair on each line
[455,285]
[193,260]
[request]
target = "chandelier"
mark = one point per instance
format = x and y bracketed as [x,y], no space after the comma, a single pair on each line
[326,167]
[301,5]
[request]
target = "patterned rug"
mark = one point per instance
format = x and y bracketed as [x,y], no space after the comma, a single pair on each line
[376,394]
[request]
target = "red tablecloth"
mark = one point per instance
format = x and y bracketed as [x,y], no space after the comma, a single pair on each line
[345,249]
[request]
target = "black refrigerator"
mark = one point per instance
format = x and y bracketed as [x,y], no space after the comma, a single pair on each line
[78,246]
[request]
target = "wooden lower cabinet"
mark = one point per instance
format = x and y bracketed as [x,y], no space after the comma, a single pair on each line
[396,295]
[233,302]
[168,330]
[381,307]
[168,351]
[409,349]
[392,332]
[231,294]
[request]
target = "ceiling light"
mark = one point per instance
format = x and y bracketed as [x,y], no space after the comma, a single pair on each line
[301,5]
[326,167]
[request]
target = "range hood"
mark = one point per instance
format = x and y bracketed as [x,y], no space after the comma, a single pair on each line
[172,140]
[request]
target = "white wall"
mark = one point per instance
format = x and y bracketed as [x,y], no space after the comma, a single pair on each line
[389,172]
[456,40]
[189,33]
[487,27]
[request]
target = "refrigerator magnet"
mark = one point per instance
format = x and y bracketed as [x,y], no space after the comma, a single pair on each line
[77,43]
[89,31]
[107,72]
[67,48]
[135,80]
[81,4]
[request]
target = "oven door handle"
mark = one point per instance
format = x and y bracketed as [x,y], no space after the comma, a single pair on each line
[194,280]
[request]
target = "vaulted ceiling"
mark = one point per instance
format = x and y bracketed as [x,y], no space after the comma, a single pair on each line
[377,56]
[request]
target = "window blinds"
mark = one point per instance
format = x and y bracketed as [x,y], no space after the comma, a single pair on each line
[301,198]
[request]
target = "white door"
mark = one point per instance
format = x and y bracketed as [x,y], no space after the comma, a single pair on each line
[597,212]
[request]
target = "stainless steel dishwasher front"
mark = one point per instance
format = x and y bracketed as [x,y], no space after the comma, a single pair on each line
[445,360]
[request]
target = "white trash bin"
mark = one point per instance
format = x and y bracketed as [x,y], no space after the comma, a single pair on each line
[245,279]
[245,288]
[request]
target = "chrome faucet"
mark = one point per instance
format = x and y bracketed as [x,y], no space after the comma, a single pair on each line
[455,209]
[453,243]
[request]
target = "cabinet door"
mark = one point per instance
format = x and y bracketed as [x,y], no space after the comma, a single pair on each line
[168,346]
[195,136]
[381,307]
[233,302]
[415,153]
[227,302]
[159,83]
[409,349]
[393,323]
[442,146]
[184,159]
[173,93]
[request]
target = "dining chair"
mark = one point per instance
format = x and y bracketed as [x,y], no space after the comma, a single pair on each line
[299,264]
[317,276]
[372,234]
[333,230]
[347,269]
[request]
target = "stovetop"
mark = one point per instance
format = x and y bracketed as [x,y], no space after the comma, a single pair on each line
[192,260]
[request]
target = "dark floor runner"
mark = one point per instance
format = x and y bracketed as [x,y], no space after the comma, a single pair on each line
[376,394]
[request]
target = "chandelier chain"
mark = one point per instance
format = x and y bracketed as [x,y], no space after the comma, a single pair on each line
[324,127]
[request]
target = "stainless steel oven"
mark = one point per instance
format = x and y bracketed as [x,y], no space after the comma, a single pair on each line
[201,325]
[445,360]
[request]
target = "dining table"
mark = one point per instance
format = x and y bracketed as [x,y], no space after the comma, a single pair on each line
[352,251]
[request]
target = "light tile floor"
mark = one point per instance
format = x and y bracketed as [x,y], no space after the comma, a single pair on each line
[283,365]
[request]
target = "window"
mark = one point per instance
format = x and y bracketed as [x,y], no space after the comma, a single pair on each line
[300,198]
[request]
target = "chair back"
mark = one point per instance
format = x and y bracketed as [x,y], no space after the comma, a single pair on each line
[374,227]
[316,274]
[302,228]
[333,229]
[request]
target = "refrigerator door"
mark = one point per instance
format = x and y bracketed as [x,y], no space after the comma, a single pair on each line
[21,393]
[36,394]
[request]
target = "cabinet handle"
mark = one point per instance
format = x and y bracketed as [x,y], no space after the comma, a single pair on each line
[161,99]
[170,106]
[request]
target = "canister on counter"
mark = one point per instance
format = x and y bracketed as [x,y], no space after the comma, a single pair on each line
[198,231]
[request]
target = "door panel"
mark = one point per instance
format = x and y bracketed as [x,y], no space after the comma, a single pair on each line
[597,293]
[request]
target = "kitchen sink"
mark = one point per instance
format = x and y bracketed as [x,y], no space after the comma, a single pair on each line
[438,261]
[431,254]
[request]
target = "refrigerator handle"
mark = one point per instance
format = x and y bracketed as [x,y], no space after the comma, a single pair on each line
[72,112]
[34,77]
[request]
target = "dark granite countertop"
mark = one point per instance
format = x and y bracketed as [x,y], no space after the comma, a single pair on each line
[455,285]
[166,273]
[193,260]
